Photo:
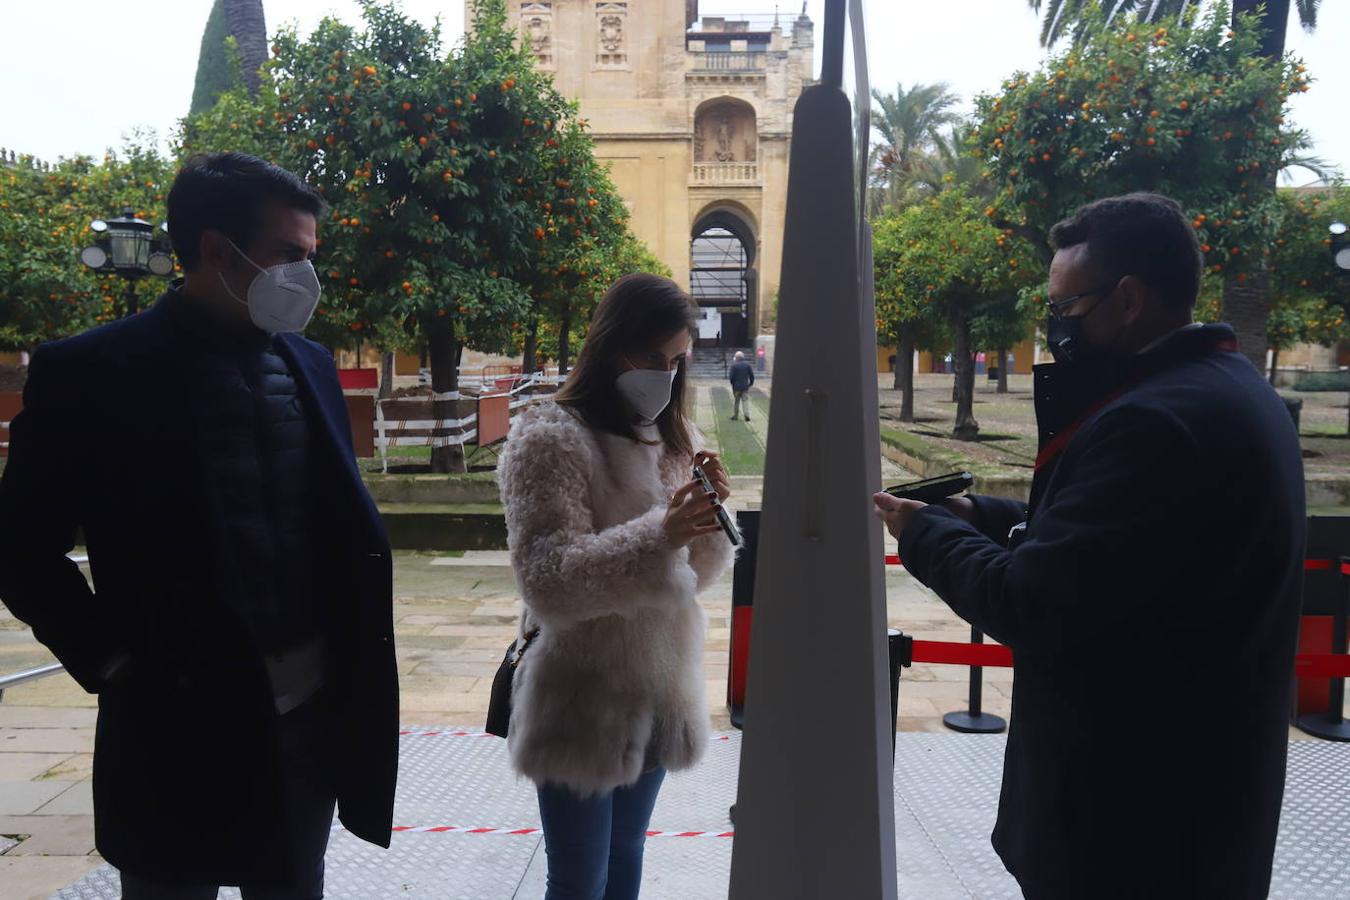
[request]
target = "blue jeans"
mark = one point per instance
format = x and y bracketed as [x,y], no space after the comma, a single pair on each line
[594,844]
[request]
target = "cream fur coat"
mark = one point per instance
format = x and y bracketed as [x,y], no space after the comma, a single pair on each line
[618,664]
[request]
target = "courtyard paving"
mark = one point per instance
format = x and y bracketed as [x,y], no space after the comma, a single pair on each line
[454,616]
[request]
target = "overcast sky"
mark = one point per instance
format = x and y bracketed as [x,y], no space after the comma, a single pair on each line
[79,73]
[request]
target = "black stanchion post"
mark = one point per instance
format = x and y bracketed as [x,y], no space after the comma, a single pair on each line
[742,603]
[1331,725]
[900,647]
[975,720]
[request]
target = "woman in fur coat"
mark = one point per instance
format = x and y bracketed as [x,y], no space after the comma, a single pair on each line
[610,541]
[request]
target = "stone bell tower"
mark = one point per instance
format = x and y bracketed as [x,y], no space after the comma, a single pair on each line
[693,116]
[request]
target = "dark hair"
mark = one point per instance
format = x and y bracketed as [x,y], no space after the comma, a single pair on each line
[637,313]
[227,192]
[1144,235]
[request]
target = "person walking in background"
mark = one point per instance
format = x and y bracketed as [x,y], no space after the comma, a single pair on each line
[1158,566]
[610,541]
[742,377]
[242,579]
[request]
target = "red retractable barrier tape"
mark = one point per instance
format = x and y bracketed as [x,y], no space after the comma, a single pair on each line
[951,653]
[1324,565]
[954,654]
[1322,665]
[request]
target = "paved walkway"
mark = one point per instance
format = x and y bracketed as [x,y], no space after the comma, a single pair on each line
[467,828]
[454,617]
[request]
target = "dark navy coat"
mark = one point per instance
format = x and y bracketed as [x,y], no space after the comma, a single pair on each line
[185,769]
[1152,608]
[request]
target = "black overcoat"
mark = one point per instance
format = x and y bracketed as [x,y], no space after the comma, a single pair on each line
[185,764]
[1152,608]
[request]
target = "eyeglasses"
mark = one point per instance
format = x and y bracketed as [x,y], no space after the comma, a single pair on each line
[1057,307]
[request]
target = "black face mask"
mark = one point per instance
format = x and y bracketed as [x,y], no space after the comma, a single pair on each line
[1064,335]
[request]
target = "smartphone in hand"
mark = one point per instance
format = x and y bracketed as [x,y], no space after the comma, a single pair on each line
[723,517]
[933,490]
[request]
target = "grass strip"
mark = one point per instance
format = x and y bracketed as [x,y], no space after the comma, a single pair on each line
[741,450]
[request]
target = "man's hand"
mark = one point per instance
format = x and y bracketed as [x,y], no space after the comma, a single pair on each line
[896,513]
[961,507]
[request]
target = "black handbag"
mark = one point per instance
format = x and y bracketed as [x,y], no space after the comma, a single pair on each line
[499,700]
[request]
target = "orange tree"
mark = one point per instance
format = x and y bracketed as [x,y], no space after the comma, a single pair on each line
[942,261]
[561,337]
[582,246]
[45,211]
[904,319]
[457,182]
[577,244]
[1188,109]
[1309,296]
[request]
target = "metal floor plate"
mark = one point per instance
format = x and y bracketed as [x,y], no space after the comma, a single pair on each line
[946,793]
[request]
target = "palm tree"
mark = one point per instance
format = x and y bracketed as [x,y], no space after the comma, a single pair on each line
[908,124]
[950,164]
[1066,17]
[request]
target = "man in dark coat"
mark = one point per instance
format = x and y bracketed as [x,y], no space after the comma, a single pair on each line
[742,378]
[1149,591]
[239,629]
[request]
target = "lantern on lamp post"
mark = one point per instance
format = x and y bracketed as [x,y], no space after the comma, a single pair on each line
[1340,247]
[129,248]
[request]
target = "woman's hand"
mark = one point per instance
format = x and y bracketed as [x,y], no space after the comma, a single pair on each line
[716,472]
[692,513]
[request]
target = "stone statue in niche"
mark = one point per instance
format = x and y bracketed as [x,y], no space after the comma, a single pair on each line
[723,153]
[611,33]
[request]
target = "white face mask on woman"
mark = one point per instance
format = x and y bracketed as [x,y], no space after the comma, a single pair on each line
[280,298]
[647,390]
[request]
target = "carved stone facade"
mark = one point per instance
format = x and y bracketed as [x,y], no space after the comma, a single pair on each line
[611,20]
[693,117]
[536,25]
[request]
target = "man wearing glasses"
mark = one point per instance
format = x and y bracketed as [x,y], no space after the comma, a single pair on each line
[1150,588]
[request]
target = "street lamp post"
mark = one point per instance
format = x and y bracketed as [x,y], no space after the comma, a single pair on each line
[1340,247]
[1340,258]
[129,248]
